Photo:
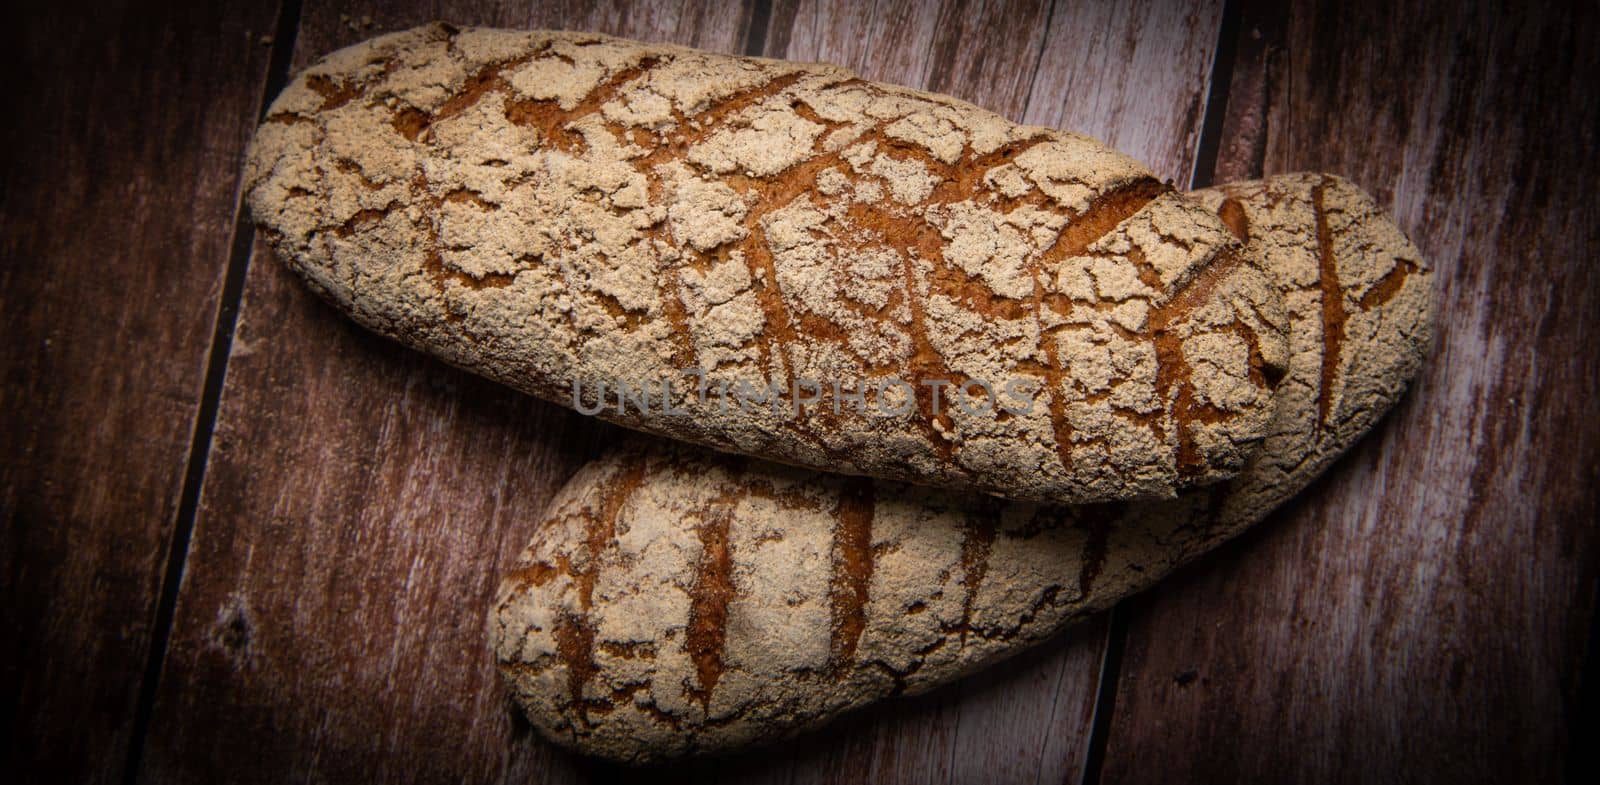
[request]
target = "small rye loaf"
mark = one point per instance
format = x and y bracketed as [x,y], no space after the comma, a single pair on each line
[570,213]
[676,602]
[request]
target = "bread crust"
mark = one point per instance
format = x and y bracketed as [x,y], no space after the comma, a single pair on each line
[678,602]
[568,212]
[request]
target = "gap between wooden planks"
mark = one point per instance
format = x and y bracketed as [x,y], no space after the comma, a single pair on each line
[1421,613]
[118,200]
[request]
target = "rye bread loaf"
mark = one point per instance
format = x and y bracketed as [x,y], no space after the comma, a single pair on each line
[678,602]
[569,213]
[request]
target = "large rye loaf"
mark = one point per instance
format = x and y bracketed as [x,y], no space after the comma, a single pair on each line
[569,213]
[677,602]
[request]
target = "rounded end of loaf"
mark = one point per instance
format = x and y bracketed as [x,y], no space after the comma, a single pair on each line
[637,626]
[1360,296]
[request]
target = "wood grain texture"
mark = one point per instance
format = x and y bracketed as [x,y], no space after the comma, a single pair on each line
[984,53]
[359,504]
[1135,75]
[117,206]
[1421,613]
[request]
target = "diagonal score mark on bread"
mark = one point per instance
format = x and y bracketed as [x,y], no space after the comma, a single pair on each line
[554,208]
[950,581]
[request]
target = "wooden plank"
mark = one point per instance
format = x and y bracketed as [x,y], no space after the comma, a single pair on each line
[117,205]
[359,504]
[948,47]
[1134,74]
[1421,613]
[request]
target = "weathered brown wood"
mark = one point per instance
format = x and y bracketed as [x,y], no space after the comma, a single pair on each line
[1133,74]
[985,55]
[1420,614]
[359,504]
[117,200]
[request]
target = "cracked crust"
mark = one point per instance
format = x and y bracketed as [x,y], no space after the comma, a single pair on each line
[735,601]
[554,208]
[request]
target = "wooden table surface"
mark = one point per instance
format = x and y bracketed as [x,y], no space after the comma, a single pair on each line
[243,540]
